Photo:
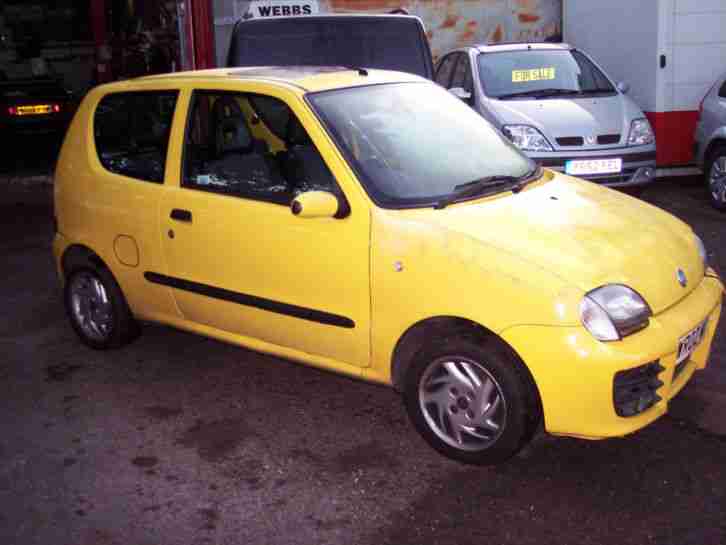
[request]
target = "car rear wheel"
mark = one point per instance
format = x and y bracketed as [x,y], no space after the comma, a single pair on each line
[716,177]
[469,400]
[98,310]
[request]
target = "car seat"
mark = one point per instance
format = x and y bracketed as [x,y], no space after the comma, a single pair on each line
[238,158]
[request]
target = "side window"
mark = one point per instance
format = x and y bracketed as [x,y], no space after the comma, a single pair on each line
[462,73]
[722,90]
[443,74]
[590,77]
[274,113]
[131,132]
[221,153]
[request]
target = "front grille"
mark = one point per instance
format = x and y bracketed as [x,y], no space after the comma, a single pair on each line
[634,390]
[604,139]
[570,141]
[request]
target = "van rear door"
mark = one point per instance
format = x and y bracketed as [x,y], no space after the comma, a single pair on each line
[391,42]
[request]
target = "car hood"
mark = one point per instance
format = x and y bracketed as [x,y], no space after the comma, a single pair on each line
[586,235]
[567,117]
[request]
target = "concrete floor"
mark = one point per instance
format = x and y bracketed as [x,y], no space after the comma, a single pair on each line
[178,439]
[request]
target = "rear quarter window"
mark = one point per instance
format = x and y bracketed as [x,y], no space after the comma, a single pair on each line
[131,132]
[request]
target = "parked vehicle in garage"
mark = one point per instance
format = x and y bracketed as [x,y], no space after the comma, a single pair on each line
[558,107]
[34,106]
[710,142]
[371,224]
[391,42]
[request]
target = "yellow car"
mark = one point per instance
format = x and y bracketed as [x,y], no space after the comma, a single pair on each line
[370,223]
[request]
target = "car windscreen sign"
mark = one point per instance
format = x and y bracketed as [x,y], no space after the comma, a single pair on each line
[281,8]
[535,74]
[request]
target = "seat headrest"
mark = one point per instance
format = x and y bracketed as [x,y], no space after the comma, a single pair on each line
[231,133]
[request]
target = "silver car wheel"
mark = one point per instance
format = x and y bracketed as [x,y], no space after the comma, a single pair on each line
[462,403]
[717,179]
[91,308]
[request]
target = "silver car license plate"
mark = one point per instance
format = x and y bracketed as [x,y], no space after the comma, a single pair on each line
[593,166]
[690,341]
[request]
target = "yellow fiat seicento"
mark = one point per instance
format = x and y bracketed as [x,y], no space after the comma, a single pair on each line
[372,224]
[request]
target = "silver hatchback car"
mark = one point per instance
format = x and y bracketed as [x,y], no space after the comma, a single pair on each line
[710,142]
[558,106]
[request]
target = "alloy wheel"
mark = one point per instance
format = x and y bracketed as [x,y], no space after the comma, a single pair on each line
[717,180]
[462,403]
[91,307]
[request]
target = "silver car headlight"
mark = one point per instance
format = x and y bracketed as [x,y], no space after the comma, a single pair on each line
[701,250]
[613,311]
[526,138]
[640,133]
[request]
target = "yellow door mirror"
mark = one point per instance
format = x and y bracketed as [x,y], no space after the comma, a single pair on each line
[315,204]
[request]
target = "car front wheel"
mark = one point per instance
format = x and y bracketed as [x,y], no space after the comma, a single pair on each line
[469,400]
[716,177]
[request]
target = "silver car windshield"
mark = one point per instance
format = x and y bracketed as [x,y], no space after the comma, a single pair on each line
[537,73]
[414,144]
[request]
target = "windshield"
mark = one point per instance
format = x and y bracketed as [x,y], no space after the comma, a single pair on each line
[414,143]
[536,72]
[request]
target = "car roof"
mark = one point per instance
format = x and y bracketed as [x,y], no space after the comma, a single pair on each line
[305,78]
[521,46]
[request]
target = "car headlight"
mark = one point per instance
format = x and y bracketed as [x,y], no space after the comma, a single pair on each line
[613,311]
[526,138]
[702,251]
[640,133]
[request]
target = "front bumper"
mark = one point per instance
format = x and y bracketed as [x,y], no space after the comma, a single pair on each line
[699,147]
[575,373]
[638,164]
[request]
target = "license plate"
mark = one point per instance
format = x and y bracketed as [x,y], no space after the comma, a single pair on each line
[34,109]
[594,166]
[688,343]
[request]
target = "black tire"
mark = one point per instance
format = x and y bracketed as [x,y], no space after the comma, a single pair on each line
[492,361]
[717,156]
[121,329]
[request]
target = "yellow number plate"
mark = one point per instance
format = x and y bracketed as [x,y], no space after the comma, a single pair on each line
[536,74]
[689,342]
[34,109]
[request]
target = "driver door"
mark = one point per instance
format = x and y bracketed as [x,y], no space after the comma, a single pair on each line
[239,260]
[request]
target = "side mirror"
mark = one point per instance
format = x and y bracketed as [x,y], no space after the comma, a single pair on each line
[623,87]
[461,93]
[315,204]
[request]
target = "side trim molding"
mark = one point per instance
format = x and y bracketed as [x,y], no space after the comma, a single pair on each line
[244,299]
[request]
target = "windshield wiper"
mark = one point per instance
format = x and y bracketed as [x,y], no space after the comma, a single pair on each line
[528,178]
[475,187]
[479,187]
[541,93]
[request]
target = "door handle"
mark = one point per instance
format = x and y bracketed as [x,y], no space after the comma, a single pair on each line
[181,215]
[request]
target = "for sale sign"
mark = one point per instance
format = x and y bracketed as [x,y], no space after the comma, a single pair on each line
[285,8]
